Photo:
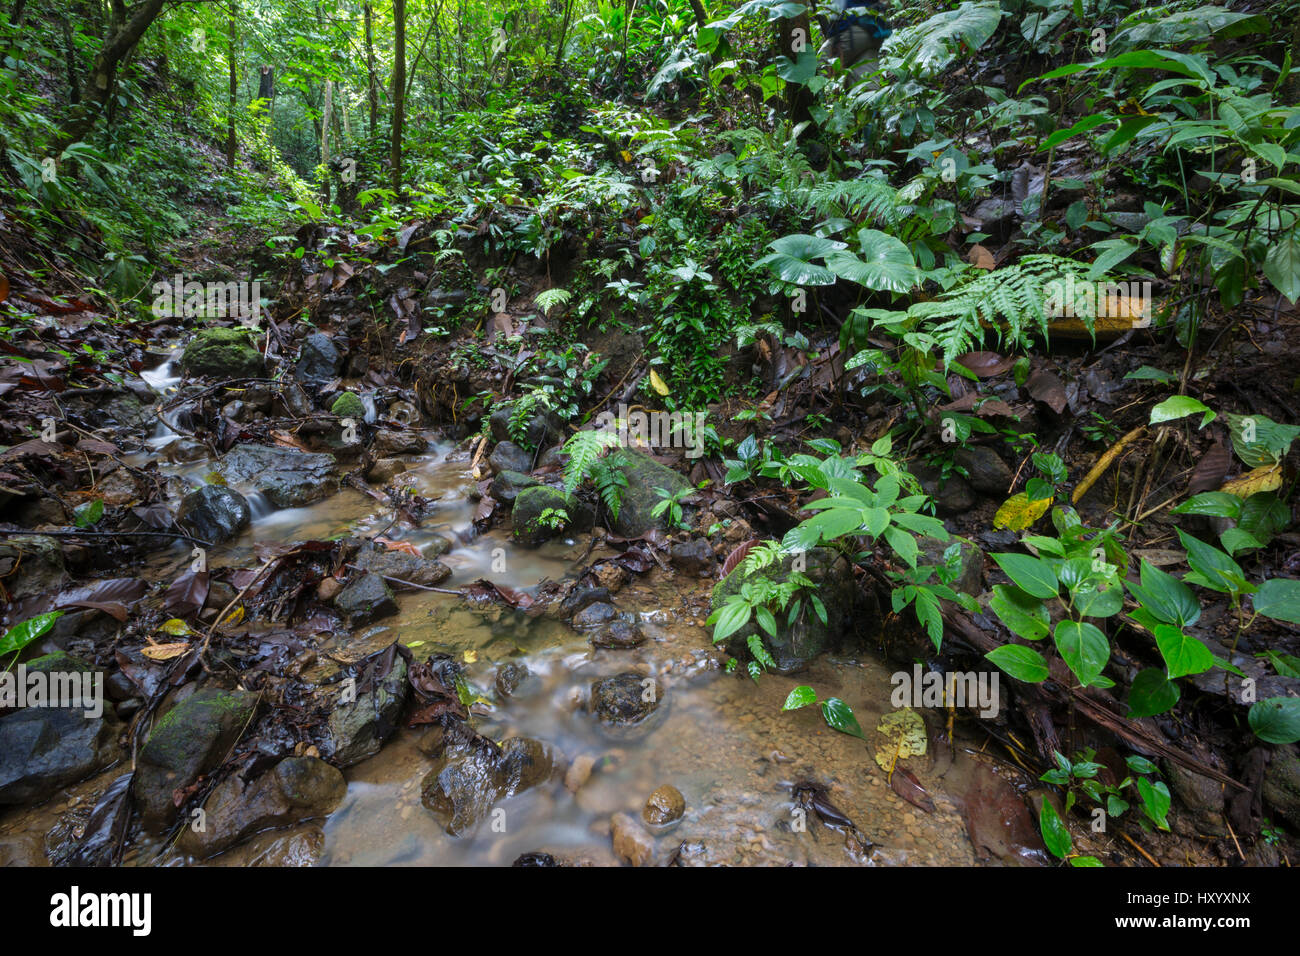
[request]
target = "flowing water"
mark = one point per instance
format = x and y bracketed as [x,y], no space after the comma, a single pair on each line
[721,739]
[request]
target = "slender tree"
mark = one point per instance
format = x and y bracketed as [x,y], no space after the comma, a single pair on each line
[399,89]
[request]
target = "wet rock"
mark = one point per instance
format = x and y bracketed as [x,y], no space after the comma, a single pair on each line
[694,557]
[288,477]
[1282,784]
[319,362]
[666,805]
[445,298]
[618,635]
[385,470]
[510,677]
[594,615]
[535,859]
[507,456]
[531,504]
[366,598]
[44,749]
[296,789]
[31,564]
[543,428]
[295,400]
[553,457]
[348,405]
[214,513]
[474,775]
[403,567]
[390,442]
[624,699]
[795,646]
[1202,796]
[986,472]
[303,846]
[238,411]
[632,844]
[186,450]
[224,353]
[190,739]
[968,561]
[579,772]
[507,485]
[610,576]
[357,728]
[952,496]
[644,476]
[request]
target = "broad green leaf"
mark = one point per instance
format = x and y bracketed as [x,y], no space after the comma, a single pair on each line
[1214,568]
[1084,649]
[839,716]
[1056,836]
[1165,597]
[1023,615]
[1152,693]
[24,632]
[1216,504]
[1183,654]
[801,696]
[1022,663]
[1180,406]
[1276,720]
[1279,598]
[1155,801]
[1032,575]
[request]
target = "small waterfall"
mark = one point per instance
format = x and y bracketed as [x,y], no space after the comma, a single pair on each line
[166,376]
[372,413]
[258,505]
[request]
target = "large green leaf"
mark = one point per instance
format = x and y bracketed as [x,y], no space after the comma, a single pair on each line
[839,716]
[928,47]
[24,632]
[1165,597]
[1279,598]
[1282,266]
[1180,406]
[791,259]
[1022,663]
[886,264]
[1023,614]
[1151,693]
[1183,654]
[1276,720]
[1032,575]
[1084,649]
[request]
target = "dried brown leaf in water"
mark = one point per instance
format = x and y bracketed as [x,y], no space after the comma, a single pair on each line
[904,783]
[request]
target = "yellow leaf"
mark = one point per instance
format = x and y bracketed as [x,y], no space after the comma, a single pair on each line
[1264,478]
[176,628]
[471,657]
[164,652]
[905,736]
[658,383]
[627,157]
[235,616]
[1018,512]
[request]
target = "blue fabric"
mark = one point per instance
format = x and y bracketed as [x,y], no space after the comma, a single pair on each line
[868,20]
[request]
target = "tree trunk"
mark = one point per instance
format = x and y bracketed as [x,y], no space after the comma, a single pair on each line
[372,82]
[793,36]
[325,135]
[399,89]
[231,55]
[103,74]
[701,17]
[564,29]
[70,58]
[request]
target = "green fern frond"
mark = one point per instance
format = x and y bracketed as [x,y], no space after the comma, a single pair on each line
[583,449]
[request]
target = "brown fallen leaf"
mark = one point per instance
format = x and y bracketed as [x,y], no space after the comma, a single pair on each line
[904,783]
[981,258]
[165,652]
[1211,469]
[1047,388]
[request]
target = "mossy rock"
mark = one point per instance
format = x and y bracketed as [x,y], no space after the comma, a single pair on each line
[191,739]
[531,503]
[640,497]
[348,405]
[847,619]
[222,352]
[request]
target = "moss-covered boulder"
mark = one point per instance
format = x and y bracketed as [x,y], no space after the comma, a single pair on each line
[644,477]
[348,405]
[848,617]
[530,527]
[192,738]
[227,353]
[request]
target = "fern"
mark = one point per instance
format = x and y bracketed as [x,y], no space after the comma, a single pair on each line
[583,449]
[550,298]
[610,481]
[869,196]
[521,413]
[1012,301]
